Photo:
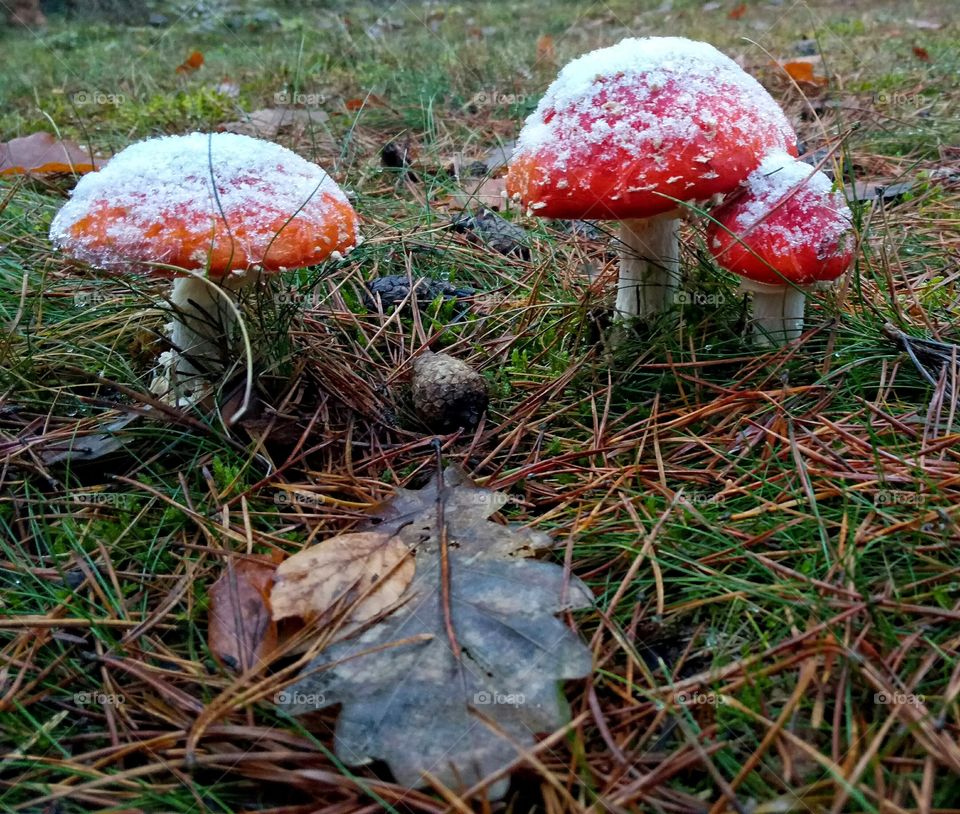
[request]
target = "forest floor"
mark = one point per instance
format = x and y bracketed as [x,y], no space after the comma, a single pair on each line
[771,535]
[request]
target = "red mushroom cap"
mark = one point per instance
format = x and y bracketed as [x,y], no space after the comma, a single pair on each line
[155,202]
[622,127]
[788,225]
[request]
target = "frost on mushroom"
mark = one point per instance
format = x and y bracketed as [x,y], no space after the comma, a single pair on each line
[223,206]
[628,133]
[787,231]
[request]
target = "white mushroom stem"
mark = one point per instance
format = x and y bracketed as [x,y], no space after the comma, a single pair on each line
[204,314]
[649,265]
[777,312]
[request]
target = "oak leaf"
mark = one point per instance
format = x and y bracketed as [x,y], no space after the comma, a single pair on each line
[459,677]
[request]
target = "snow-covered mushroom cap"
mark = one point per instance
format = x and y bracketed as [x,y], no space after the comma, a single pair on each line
[788,225]
[623,126]
[221,202]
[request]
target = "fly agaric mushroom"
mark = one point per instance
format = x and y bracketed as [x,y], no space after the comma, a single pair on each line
[213,211]
[788,230]
[627,132]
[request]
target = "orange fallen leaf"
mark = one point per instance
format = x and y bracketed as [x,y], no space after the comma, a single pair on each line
[42,154]
[367,101]
[191,63]
[802,72]
[241,630]
[545,49]
[738,12]
[921,53]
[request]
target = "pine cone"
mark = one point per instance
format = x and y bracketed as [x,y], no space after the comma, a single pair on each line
[448,394]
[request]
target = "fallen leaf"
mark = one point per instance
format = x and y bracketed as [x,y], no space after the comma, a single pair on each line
[877,190]
[498,157]
[487,193]
[545,49]
[929,356]
[802,71]
[81,446]
[921,53]
[42,154]
[370,568]
[371,100]
[191,63]
[738,12]
[475,641]
[241,631]
[269,122]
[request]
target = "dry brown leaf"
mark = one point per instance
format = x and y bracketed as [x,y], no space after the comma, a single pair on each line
[738,12]
[497,158]
[42,154]
[921,53]
[371,100]
[191,63]
[489,193]
[241,631]
[803,72]
[371,567]
[271,121]
[545,49]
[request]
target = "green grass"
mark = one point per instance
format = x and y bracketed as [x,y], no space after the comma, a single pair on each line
[752,524]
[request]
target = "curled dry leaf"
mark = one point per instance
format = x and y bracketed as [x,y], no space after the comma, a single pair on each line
[464,672]
[192,63]
[804,72]
[42,154]
[241,631]
[371,569]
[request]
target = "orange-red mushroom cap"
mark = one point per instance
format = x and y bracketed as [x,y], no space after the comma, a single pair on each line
[624,130]
[788,225]
[221,202]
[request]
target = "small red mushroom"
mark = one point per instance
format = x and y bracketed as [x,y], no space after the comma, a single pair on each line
[629,132]
[787,231]
[213,211]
